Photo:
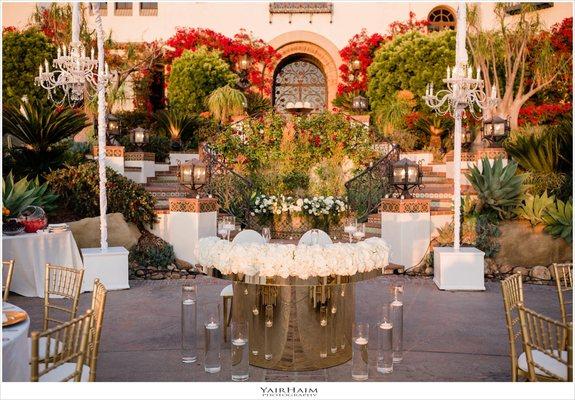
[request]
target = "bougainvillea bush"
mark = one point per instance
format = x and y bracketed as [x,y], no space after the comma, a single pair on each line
[263,57]
[78,188]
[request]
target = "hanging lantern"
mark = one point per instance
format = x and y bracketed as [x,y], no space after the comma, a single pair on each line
[495,130]
[360,103]
[139,137]
[405,176]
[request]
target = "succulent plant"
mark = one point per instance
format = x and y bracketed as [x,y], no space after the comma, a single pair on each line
[533,208]
[18,195]
[468,233]
[558,219]
[499,188]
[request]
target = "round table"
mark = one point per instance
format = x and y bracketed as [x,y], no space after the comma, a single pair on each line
[15,353]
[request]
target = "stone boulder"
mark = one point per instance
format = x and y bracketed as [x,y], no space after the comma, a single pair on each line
[120,233]
[540,272]
[523,245]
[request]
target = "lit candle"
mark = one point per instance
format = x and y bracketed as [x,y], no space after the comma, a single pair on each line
[470,72]
[40,69]
[478,73]
[431,89]
[493,92]
[64,50]
[107,69]
[59,51]
[46,66]
[92,53]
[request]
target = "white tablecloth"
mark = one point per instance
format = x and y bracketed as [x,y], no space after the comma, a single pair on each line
[31,252]
[15,353]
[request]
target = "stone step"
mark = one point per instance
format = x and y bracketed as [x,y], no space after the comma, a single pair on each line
[132,169]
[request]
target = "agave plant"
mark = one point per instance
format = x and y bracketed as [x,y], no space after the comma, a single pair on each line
[533,208]
[18,195]
[468,233]
[40,129]
[177,126]
[558,219]
[535,152]
[224,102]
[499,189]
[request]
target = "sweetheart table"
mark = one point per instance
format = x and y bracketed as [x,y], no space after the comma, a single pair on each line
[296,323]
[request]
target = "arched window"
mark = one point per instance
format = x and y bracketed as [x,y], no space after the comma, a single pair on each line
[441,18]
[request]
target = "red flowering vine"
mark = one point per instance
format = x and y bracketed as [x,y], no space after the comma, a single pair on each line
[543,114]
[262,55]
[362,47]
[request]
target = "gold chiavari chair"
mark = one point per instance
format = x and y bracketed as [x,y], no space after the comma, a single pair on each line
[66,283]
[512,290]
[50,365]
[563,274]
[7,277]
[98,306]
[543,340]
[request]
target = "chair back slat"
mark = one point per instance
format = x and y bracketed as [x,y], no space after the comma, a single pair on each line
[70,345]
[546,336]
[512,290]
[98,306]
[66,283]
[7,272]
[563,274]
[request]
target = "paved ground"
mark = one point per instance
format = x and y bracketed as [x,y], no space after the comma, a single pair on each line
[449,336]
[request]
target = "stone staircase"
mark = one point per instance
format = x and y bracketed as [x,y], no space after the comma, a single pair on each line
[165,185]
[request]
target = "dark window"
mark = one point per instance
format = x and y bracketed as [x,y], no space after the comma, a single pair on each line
[149,5]
[103,8]
[441,18]
[123,5]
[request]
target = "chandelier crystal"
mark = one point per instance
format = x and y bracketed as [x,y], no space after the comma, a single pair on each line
[73,72]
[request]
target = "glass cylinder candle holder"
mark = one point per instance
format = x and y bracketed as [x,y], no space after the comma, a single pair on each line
[269,323]
[385,343]
[212,340]
[240,358]
[189,323]
[396,316]
[324,330]
[360,359]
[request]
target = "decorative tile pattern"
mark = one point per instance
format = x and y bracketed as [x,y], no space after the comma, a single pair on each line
[139,156]
[491,153]
[465,156]
[111,151]
[193,205]
[405,205]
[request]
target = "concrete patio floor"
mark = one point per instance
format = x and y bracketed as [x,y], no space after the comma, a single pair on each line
[448,336]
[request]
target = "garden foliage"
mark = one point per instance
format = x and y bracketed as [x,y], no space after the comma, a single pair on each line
[16,196]
[78,188]
[151,251]
[194,76]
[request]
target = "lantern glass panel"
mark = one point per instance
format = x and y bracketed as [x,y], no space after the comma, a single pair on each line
[498,128]
[412,174]
[399,174]
[199,175]
[186,174]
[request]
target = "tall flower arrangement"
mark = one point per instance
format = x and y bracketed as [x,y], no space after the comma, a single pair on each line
[262,55]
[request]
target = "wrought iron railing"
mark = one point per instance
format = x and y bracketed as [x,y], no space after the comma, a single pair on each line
[232,190]
[365,190]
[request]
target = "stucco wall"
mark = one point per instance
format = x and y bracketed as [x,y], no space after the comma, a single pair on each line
[229,18]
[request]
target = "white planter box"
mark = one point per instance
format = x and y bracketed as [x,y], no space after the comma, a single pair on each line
[110,266]
[462,270]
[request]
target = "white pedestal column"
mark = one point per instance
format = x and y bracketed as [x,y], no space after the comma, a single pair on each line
[144,162]
[189,221]
[114,157]
[110,266]
[406,226]
[458,270]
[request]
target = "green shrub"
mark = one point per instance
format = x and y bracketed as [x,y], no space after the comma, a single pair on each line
[40,129]
[257,104]
[226,102]
[558,219]
[194,76]
[410,62]
[499,189]
[151,251]
[18,195]
[176,126]
[22,54]
[533,208]
[78,188]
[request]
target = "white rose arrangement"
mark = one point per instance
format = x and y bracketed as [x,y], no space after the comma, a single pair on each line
[302,261]
[310,206]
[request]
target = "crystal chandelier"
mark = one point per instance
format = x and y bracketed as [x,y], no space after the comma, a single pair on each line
[73,72]
[463,91]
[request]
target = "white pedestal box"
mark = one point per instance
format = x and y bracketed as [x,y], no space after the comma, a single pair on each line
[114,157]
[458,270]
[182,157]
[144,161]
[110,266]
[406,226]
[189,221]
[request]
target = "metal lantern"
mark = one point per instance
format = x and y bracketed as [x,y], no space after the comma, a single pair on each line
[113,125]
[495,130]
[193,174]
[405,176]
[140,137]
[359,103]
[243,66]
[355,65]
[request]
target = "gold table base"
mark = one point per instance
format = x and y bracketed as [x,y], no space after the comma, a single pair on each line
[296,328]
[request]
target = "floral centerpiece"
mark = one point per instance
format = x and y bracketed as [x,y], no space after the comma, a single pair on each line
[284,260]
[319,211]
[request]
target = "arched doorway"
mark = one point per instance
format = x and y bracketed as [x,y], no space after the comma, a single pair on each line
[299,77]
